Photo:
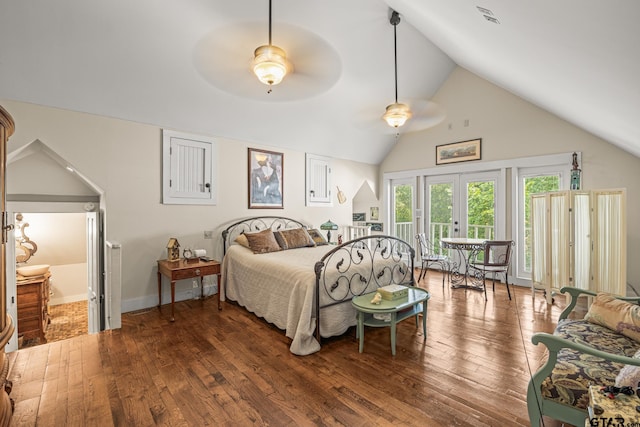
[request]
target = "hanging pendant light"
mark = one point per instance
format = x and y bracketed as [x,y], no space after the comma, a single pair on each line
[396,114]
[270,63]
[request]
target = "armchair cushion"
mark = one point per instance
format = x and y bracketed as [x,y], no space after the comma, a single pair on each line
[569,382]
[620,316]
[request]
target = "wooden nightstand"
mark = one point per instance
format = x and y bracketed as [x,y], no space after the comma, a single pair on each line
[182,269]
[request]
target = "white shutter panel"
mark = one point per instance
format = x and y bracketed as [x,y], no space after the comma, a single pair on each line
[318,180]
[188,169]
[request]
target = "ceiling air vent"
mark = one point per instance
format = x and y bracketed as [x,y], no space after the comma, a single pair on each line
[491,19]
[487,14]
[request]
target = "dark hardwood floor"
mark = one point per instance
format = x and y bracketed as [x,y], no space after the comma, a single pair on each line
[231,368]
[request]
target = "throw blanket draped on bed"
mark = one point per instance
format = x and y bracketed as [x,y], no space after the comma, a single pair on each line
[289,307]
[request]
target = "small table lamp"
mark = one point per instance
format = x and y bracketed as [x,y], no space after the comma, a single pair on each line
[329,226]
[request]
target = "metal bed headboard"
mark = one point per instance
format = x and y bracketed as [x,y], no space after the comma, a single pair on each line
[257,223]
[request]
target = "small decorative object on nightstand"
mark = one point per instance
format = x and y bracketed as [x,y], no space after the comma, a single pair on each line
[173,249]
[189,255]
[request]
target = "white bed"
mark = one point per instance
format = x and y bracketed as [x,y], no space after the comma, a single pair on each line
[288,287]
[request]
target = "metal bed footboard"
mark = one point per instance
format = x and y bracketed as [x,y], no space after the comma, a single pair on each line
[360,266]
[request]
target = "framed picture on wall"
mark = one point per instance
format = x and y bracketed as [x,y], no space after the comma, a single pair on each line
[375,213]
[458,152]
[266,171]
[376,226]
[359,216]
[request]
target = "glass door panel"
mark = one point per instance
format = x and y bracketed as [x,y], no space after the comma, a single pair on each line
[403,203]
[440,212]
[480,209]
[461,205]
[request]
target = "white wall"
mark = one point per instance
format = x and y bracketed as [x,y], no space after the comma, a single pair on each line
[68,283]
[511,127]
[124,160]
[61,240]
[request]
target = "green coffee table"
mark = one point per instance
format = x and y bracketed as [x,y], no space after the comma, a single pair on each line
[403,308]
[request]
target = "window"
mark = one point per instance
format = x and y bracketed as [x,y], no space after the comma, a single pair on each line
[318,180]
[532,181]
[188,175]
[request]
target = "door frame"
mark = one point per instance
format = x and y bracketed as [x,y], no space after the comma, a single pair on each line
[519,225]
[49,207]
[414,201]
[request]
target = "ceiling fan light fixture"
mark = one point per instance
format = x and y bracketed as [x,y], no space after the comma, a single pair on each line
[397,114]
[270,64]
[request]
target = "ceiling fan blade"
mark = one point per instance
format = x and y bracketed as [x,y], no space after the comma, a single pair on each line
[223,58]
[425,114]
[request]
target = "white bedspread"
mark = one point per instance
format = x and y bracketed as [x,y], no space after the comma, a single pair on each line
[279,287]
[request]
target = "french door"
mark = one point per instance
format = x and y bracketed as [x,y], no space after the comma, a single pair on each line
[463,205]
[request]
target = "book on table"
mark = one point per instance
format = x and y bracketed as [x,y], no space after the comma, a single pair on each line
[393,292]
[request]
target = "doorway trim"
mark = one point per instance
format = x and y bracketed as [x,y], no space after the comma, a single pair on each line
[61,203]
[37,207]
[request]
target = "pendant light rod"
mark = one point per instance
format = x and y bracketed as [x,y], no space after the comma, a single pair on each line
[395,20]
[270,63]
[269,22]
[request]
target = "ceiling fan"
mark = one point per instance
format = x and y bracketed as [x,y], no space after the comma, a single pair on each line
[225,58]
[412,114]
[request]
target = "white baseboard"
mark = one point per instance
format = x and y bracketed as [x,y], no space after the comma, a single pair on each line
[149,301]
[67,299]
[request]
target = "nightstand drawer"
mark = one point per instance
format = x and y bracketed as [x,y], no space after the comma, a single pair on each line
[196,271]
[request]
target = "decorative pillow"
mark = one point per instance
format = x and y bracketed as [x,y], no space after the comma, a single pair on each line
[620,316]
[293,238]
[242,240]
[262,242]
[629,375]
[317,238]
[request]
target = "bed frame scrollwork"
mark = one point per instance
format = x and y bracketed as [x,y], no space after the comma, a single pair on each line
[361,266]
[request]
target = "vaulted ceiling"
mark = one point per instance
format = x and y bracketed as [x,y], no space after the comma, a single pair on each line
[184,65]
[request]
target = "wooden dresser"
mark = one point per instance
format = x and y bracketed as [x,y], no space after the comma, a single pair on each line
[33,307]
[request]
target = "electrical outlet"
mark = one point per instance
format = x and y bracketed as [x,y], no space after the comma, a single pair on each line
[208,234]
